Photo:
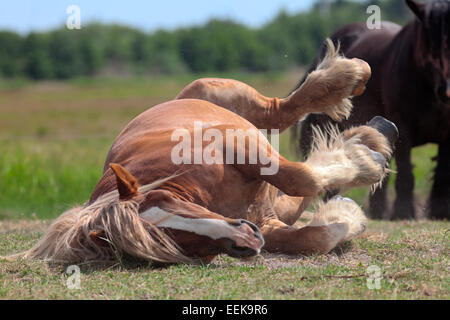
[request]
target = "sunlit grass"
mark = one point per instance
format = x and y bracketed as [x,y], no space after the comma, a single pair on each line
[42,178]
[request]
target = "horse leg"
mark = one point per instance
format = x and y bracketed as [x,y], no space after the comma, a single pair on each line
[404,182]
[378,200]
[270,202]
[335,222]
[325,90]
[289,209]
[439,203]
[355,158]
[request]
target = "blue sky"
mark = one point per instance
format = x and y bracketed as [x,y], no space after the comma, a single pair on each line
[32,15]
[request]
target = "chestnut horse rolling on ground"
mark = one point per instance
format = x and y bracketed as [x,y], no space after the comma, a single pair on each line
[148,206]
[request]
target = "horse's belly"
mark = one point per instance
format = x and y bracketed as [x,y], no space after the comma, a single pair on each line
[234,194]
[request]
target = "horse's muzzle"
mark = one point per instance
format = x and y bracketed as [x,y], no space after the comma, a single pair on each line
[250,246]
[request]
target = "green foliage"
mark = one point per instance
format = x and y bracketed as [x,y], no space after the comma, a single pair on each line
[38,64]
[217,46]
[10,49]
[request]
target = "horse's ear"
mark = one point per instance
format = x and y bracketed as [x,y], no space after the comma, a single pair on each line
[99,238]
[417,8]
[127,185]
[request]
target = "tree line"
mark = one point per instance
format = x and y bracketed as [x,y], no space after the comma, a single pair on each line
[216,46]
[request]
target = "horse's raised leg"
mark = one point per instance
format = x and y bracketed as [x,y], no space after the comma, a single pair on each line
[354,158]
[404,182]
[439,203]
[325,90]
[339,220]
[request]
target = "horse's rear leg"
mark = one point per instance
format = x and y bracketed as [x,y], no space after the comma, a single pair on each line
[325,90]
[439,205]
[335,222]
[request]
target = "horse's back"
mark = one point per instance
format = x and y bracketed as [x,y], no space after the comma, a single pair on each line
[165,118]
[178,114]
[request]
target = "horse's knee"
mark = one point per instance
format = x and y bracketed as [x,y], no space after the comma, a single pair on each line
[289,209]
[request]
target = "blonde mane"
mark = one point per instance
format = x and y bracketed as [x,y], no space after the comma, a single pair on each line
[67,239]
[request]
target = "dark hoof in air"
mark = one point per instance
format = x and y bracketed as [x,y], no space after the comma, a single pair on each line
[385,127]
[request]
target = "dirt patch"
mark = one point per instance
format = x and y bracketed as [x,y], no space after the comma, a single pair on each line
[23,225]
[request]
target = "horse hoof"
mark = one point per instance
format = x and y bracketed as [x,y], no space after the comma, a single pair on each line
[341,198]
[385,127]
[361,87]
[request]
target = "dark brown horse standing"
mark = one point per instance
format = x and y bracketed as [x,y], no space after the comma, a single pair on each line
[410,86]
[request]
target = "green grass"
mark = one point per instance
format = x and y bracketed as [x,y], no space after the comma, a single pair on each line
[43,178]
[412,258]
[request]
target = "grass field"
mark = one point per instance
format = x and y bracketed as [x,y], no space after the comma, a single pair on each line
[412,258]
[54,138]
